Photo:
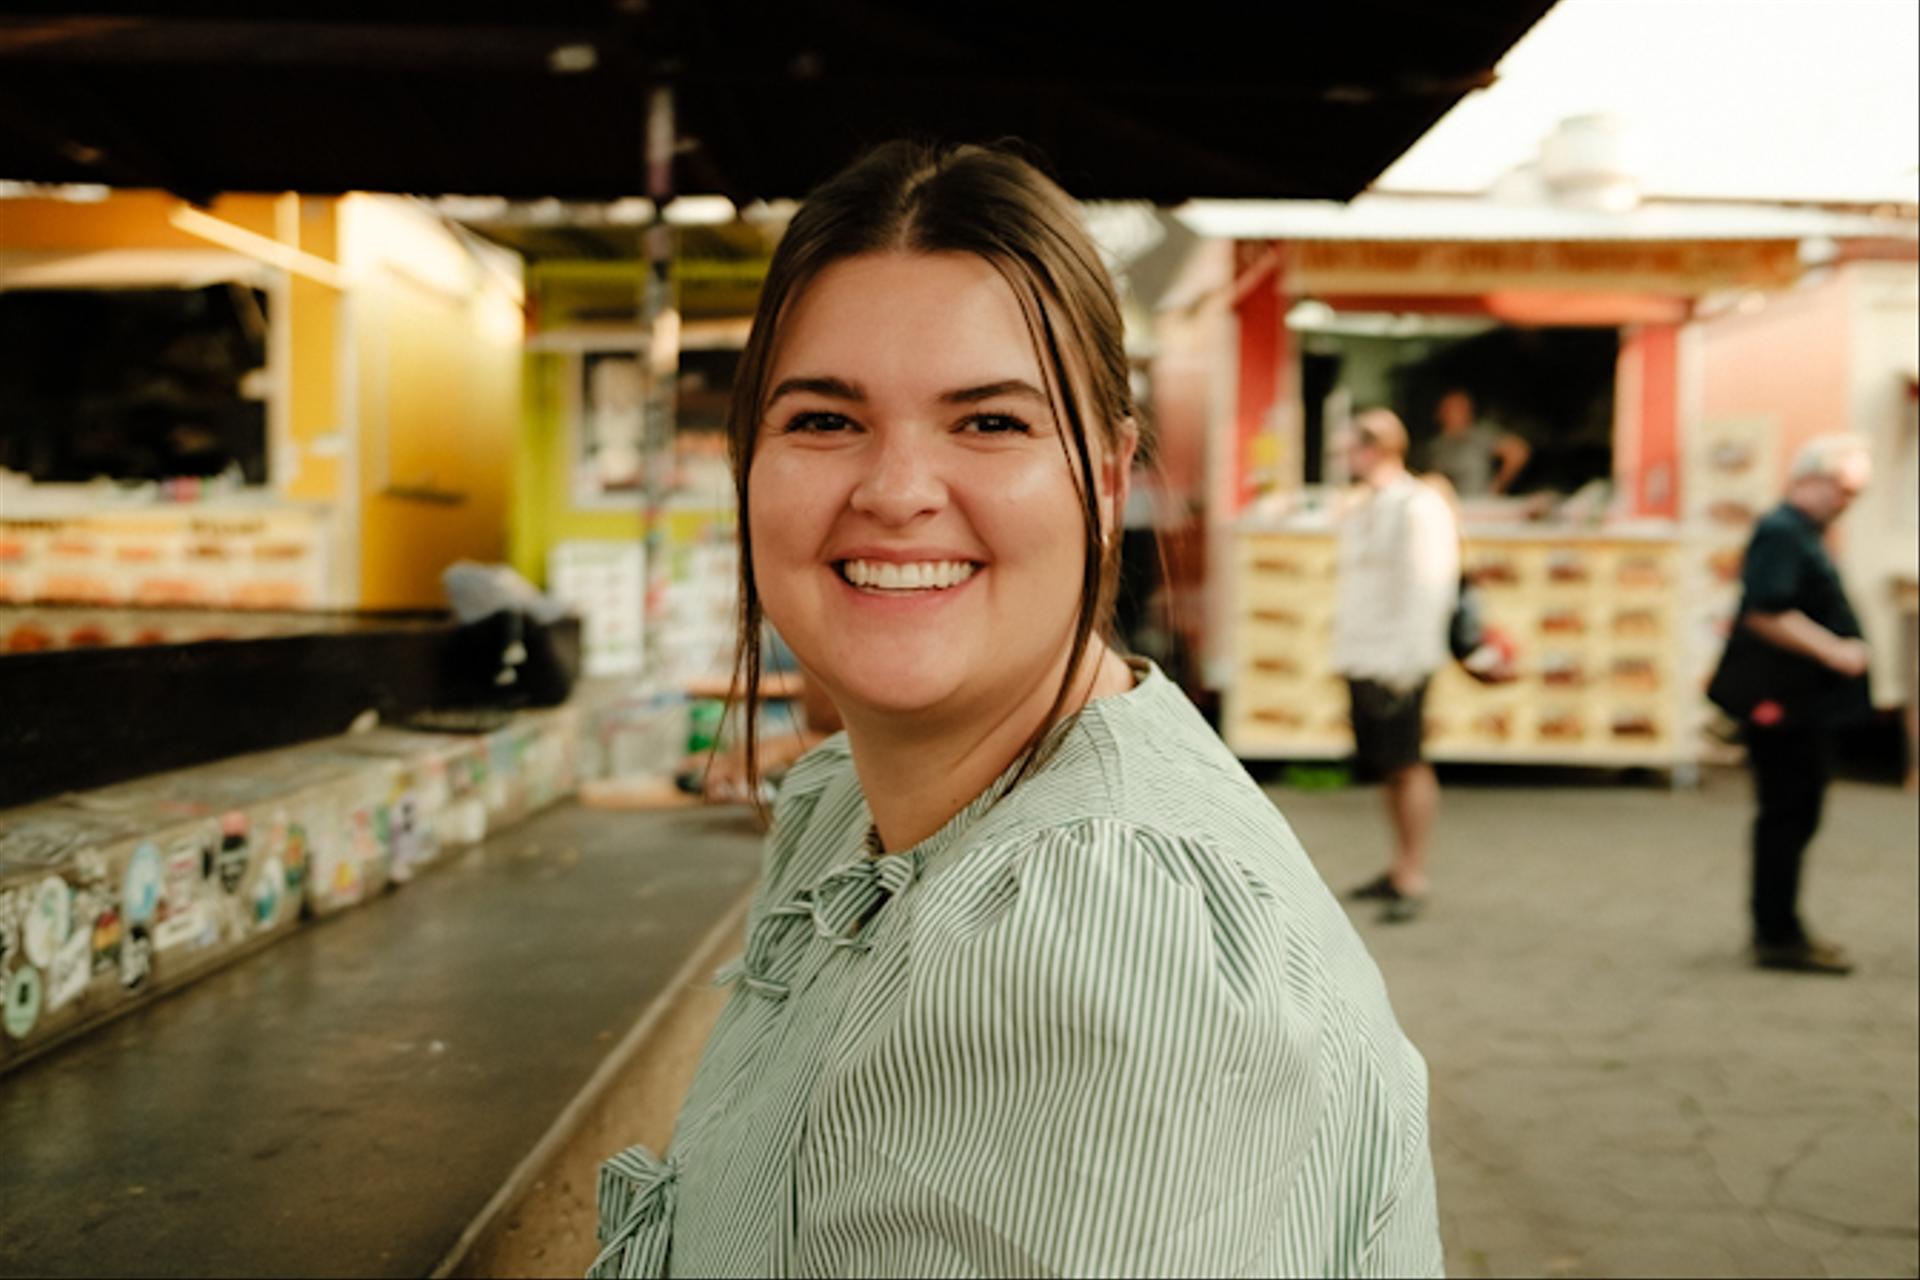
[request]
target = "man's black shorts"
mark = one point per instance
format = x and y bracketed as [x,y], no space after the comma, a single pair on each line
[1388,724]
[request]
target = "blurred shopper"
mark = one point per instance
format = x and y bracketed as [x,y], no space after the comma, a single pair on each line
[1794,666]
[1477,458]
[1399,578]
[1037,982]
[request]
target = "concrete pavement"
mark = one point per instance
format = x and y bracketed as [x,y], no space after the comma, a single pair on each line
[1614,1091]
[349,1100]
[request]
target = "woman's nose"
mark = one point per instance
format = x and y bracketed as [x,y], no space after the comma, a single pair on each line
[901,482]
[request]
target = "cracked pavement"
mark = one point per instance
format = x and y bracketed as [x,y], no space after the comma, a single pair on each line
[1615,1092]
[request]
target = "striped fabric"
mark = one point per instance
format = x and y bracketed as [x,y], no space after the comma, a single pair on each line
[1113,1025]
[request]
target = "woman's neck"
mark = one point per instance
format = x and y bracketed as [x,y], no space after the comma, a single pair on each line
[917,772]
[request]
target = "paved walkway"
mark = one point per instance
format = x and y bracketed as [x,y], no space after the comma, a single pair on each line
[1614,1092]
[345,1102]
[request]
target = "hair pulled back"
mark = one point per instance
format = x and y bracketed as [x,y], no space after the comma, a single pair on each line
[990,202]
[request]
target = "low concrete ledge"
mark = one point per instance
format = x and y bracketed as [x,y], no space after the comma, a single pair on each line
[113,897]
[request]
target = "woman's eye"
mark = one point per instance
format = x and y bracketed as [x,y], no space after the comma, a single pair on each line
[817,423]
[996,424]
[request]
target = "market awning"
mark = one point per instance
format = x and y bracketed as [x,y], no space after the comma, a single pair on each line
[1207,98]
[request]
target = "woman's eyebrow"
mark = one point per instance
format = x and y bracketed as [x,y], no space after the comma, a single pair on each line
[833,388]
[993,390]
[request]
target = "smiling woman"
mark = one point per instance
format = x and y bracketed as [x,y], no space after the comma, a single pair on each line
[1038,981]
[932,521]
[946,322]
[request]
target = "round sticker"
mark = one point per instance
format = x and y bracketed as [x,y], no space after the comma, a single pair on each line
[49,921]
[268,888]
[23,1002]
[140,889]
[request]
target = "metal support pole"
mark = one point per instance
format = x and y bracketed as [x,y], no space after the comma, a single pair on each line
[661,320]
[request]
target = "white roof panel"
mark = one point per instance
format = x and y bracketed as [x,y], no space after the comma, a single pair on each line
[1453,218]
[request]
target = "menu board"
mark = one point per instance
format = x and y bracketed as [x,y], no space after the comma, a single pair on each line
[605,582]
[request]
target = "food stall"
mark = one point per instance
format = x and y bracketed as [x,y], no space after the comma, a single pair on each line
[1613,565]
[277,402]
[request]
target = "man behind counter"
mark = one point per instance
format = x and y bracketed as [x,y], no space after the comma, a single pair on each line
[1478,458]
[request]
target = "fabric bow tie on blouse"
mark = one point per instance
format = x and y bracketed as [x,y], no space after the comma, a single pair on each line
[636,1216]
[839,909]
[637,1191]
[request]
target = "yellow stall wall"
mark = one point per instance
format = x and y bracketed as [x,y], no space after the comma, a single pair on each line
[545,510]
[435,319]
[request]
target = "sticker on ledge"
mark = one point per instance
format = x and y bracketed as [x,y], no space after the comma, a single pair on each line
[136,957]
[181,918]
[67,975]
[231,861]
[108,931]
[23,1002]
[49,921]
[268,888]
[140,888]
[298,856]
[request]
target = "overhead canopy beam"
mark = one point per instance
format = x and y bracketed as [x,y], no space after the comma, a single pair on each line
[1221,98]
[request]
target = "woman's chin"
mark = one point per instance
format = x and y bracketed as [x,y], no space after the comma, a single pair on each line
[880,690]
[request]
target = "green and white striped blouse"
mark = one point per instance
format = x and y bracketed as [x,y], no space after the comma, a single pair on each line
[1111,1025]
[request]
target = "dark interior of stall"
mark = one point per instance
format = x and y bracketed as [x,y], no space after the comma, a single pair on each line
[133,384]
[1553,387]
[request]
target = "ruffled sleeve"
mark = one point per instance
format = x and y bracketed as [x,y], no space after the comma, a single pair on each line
[1120,1052]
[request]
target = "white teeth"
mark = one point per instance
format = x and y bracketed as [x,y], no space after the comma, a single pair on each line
[923,575]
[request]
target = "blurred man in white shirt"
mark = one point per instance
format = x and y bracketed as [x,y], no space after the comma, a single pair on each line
[1399,581]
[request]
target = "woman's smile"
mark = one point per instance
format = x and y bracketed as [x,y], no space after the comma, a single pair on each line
[914,577]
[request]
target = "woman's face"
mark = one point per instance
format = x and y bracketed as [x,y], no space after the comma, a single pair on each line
[917,534]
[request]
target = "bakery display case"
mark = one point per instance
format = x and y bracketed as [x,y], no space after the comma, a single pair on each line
[1593,615]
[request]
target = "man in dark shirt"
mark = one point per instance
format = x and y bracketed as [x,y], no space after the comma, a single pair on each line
[1794,665]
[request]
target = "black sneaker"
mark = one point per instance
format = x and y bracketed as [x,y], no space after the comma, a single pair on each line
[1380,888]
[1806,956]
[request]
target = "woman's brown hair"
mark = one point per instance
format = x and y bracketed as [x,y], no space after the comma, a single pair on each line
[989,202]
